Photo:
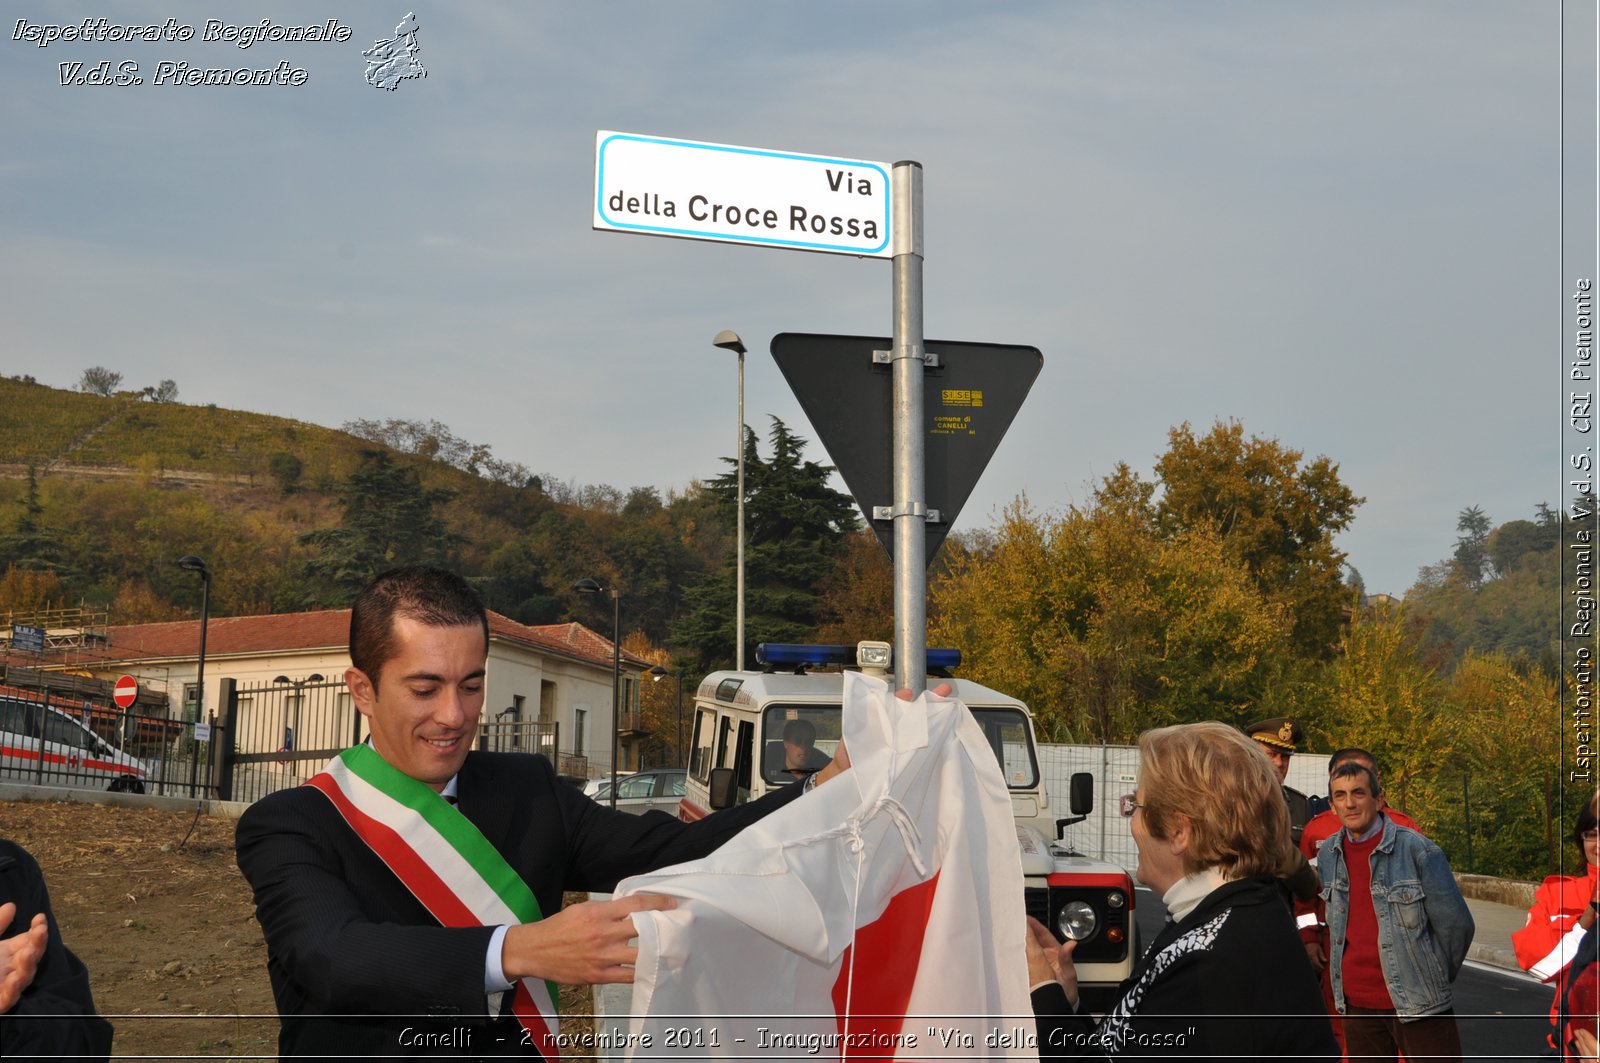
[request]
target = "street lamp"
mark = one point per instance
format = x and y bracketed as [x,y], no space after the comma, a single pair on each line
[729,340]
[191,563]
[657,674]
[589,586]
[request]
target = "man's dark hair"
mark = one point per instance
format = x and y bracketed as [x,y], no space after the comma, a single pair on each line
[430,596]
[800,732]
[1352,768]
[1352,753]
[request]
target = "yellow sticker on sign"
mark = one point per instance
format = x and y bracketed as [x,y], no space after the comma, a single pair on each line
[961,397]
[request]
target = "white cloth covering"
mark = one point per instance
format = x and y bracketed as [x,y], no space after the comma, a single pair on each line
[766,955]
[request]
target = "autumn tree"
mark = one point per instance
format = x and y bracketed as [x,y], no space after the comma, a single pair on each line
[663,710]
[1507,611]
[1518,539]
[1379,694]
[166,391]
[1276,514]
[28,592]
[1105,627]
[1504,783]
[137,603]
[98,380]
[857,596]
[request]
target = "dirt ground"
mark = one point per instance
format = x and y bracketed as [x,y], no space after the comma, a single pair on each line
[152,902]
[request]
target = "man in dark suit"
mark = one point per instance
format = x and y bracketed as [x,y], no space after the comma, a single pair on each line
[359,964]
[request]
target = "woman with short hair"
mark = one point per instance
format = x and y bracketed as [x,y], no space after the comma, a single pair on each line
[1227,977]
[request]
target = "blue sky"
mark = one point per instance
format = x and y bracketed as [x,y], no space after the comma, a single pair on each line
[1337,223]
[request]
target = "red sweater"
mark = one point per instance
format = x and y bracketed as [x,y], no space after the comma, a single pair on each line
[1310,916]
[1362,969]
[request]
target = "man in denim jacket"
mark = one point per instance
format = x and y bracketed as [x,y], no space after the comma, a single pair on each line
[1398,927]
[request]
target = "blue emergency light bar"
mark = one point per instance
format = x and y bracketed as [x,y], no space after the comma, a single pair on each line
[801,655]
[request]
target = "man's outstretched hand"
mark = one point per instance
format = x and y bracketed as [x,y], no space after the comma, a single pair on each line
[20,955]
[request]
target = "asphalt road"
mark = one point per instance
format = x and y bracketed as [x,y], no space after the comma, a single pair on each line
[1502,1015]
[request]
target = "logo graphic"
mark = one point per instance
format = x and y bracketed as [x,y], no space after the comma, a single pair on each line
[392,61]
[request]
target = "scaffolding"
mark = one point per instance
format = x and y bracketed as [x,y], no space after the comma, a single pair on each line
[76,627]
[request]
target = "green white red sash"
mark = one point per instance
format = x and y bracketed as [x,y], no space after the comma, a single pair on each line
[444,861]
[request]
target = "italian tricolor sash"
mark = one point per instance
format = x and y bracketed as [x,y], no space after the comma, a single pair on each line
[442,859]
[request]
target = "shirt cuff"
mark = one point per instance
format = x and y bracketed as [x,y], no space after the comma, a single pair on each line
[494,975]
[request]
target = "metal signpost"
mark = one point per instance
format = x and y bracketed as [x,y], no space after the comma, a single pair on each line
[658,186]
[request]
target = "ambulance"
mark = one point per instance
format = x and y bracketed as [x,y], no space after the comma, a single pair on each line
[41,744]
[738,754]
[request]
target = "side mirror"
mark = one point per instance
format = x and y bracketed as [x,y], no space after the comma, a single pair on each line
[1080,801]
[723,788]
[1080,793]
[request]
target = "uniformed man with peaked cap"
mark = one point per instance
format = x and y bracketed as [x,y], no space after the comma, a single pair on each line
[1280,738]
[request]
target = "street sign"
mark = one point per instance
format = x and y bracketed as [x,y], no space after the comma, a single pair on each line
[971,394]
[125,692]
[659,186]
[27,637]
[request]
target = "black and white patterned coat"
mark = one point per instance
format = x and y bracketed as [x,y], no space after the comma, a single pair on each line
[1229,981]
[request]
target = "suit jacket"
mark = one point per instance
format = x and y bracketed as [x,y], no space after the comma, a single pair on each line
[358,965]
[55,1015]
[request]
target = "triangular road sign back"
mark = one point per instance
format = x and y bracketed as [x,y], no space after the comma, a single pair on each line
[971,394]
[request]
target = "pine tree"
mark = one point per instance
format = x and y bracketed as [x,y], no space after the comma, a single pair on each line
[795,527]
[389,520]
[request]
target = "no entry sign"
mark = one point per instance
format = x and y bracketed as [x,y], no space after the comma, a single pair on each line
[126,692]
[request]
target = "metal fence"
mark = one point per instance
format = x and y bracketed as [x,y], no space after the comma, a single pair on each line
[1116,772]
[49,740]
[283,733]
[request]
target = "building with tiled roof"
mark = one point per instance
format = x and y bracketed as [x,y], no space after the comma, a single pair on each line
[281,677]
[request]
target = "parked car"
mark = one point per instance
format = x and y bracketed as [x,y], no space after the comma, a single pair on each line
[72,754]
[653,788]
[602,784]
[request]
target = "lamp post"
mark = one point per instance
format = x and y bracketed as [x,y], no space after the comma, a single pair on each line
[589,586]
[191,563]
[657,674]
[729,340]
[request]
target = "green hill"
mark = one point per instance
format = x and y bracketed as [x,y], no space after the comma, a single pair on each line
[122,486]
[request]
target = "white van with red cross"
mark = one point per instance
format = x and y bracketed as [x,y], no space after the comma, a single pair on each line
[41,744]
[739,752]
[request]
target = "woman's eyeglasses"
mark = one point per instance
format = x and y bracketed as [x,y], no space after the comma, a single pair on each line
[1126,804]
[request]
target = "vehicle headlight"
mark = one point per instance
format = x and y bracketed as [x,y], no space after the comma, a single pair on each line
[1076,921]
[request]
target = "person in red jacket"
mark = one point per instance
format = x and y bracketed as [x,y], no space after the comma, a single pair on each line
[1563,912]
[1311,916]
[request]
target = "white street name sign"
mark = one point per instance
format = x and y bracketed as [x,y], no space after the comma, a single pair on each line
[658,186]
